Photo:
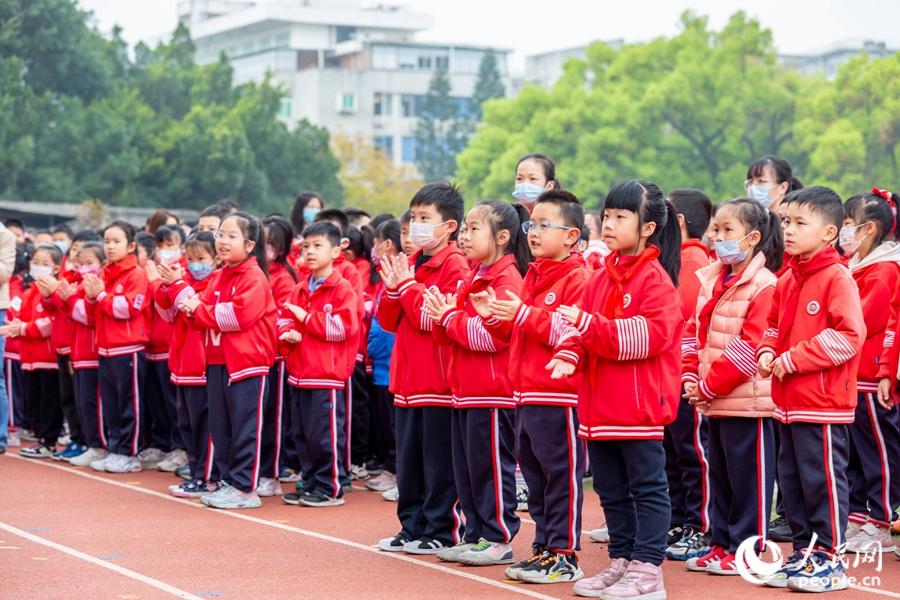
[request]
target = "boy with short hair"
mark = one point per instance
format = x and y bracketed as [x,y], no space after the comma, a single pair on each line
[685,441]
[322,332]
[811,349]
[428,506]
[549,453]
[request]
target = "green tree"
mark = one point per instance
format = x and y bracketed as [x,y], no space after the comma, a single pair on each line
[440,131]
[489,84]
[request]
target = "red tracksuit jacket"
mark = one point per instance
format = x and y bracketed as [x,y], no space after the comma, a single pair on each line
[62,336]
[238,314]
[37,352]
[821,349]
[631,366]
[187,353]
[13,347]
[419,367]
[161,330]
[537,330]
[325,356]
[120,310]
[479,357]
[84,338]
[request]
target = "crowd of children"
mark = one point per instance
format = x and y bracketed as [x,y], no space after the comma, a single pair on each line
[691,359]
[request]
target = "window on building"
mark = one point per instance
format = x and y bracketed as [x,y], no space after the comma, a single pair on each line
[424,62]
[284,109]
[409,150]
[442,62]
[347,103]
[282,39]
[344,33]
[408,105]
[385,143]
[383,104]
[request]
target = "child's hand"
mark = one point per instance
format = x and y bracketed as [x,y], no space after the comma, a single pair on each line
[65,290]
[778,368]
[570,313]
[291,337]
[402,268]
[690,389]
[481,302]
[884,394]
[47,284]
[436,305]
[152,270]
[388,275]
[93,285]
[765,364]
[11,329]
[506,310]
[298,312]
[189,305]
[560,368]
[170,273]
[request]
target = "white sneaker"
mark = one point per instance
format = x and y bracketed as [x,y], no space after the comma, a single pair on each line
[150,457]
[13,439]
[223,490]
[391,495]
[100,464]
[269,487]
[452,553]
[86,458]
[237,499]
[487,553]
[124,464]
[358,472]
[382,483]
[871,538]
[852,530]
[600,535]
[173,460]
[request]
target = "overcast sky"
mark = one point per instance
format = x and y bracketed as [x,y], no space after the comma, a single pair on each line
[531,26]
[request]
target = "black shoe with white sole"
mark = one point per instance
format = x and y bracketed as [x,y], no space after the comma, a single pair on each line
[316,499]
[424,545]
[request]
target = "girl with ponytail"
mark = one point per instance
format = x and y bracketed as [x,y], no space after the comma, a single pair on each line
[626,343]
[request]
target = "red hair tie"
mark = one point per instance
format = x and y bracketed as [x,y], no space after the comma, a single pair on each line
[889,198]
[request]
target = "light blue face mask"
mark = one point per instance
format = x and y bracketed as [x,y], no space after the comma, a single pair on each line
[62,245]
[729,251]
[760,194]
[527,192]
[309,214]
[200,271]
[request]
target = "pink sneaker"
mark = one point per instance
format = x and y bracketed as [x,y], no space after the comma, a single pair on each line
[641,581]
[593,587]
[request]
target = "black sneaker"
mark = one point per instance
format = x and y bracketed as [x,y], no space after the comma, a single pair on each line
[37,451]
[293,499]
[393,544]
[552,567]
[513,571]
[691,545]
[675,534]
[780,531]
[316,499]
[424,545]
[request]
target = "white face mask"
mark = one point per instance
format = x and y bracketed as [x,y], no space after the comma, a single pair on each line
[422,235]
[169,256]
[39,271]
[847,239]
[760,193]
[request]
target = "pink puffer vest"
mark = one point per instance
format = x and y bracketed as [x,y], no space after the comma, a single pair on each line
[752,398]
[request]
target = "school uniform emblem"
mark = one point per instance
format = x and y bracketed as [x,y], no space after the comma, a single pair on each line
[328,308]
[120,288]
[40,308]
[550,299]
[626,300]
[138,301]
[813,308]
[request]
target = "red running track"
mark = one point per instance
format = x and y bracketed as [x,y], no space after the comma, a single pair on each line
[74,533]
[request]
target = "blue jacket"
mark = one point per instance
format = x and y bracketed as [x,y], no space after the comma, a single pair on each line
[380,346]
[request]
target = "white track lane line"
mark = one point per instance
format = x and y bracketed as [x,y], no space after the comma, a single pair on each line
[313,534]
[160,585]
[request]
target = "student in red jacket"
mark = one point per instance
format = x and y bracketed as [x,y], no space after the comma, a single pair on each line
[116,300]
[549,453]
[322,329]
[428,505]
[626,341]
[89,260]
[816,332]
[237,312]
[187,359]
[868,237]
[39,366]
[12,358]
[483,433]
[166,449]
[277,418]
[686,438]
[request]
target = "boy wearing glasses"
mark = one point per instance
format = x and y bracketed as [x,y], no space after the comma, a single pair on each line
[549,453]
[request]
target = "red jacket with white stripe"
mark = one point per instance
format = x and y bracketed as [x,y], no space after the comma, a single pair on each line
[878,278]
[479,357]
[13,347]
[62,336]
[237,311]
[326,354]
[694,256]
[631,383]
[187,354]
[121,309]
[821,350]
[419,367]
[84,339]
[161,330]
[537,330]
[37,352]
[282,285]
